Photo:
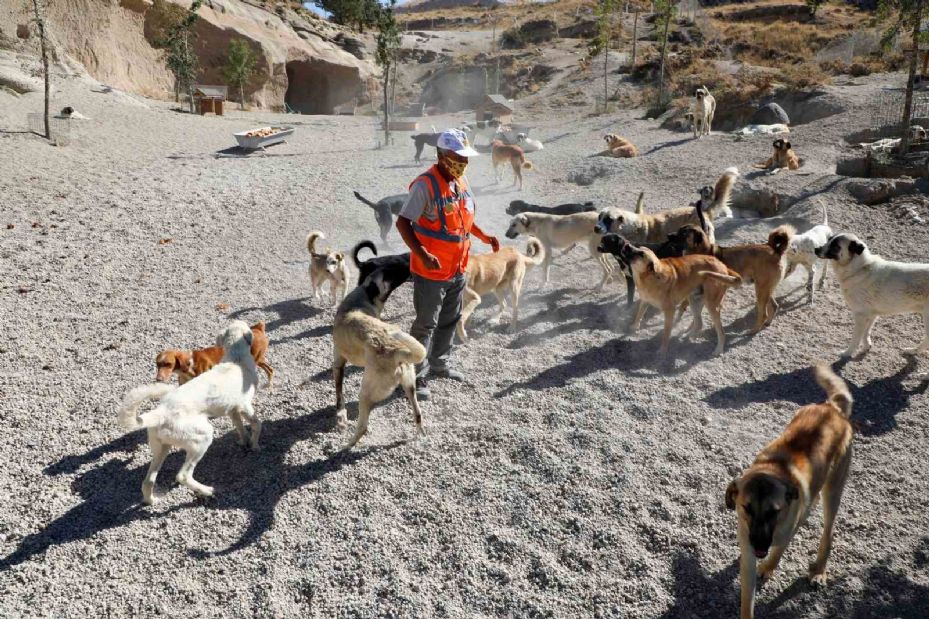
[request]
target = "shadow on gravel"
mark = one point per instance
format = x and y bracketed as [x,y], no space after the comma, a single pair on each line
[877,402]
[658,147]
[287,312]
[254,482]
[696,593]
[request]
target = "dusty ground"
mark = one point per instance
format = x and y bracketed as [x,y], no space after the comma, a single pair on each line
[573,477]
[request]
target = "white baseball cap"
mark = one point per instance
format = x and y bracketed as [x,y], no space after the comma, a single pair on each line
[456,141]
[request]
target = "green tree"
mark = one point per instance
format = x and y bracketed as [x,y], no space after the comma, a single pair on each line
[359,14]
[240,65]
[179,53]
[665,11]
[388,44]
[908,17]
[814,6]
[605,10]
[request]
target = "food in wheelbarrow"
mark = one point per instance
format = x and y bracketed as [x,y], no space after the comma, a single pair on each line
[263,133]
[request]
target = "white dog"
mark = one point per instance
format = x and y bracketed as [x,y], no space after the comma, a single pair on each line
[774,129]
[182,418]
[802,251]
[875,287]
[704,108]
[528,144]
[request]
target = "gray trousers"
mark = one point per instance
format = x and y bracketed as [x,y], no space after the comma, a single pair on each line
[438,308]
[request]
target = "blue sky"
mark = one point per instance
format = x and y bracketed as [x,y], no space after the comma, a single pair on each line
[319,11]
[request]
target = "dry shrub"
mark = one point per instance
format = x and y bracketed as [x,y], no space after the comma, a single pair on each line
[804,75]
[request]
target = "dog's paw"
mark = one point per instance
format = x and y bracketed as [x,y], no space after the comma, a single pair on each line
[818,579]
[718,351]
[765,572]
[912,351]
[206,491]
[341,420]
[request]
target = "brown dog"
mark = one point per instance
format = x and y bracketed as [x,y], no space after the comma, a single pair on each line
[507,153]
[190,363]
[667,283]
[498,272]
[762,263]
[774,496]
[783,157]
[619,146]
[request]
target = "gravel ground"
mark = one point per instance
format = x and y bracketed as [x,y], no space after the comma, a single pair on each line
[573,476]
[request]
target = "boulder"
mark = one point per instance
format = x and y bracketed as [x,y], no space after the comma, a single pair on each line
[770,114]
[877,191]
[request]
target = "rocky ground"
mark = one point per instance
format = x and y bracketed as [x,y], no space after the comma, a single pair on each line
[573,476]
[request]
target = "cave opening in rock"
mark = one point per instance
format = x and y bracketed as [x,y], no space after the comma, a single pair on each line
[315,87]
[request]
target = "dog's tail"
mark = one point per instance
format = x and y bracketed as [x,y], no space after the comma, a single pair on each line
[357,248]
[409,349]
[535,252]
[527,165]
[311,239]
[701,217]
[732,279]
[837,392]
[780,237]
[723,192]
[640,204]
[825,212]
[259,326]
[365,200]
[129,417]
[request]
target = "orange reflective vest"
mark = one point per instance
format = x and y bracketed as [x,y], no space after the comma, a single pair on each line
[448,236]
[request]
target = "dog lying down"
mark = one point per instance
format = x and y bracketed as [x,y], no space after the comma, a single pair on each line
[398,265]
[387,354]
[182,417]
[498,272]
[809,461]
[571,208]
[667,283]
[188,364]
[873,286]
[775,129]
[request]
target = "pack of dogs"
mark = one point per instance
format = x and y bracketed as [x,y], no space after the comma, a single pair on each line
[670,260]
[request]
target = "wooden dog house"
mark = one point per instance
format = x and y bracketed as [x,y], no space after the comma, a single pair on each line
[210,98]
[494,107]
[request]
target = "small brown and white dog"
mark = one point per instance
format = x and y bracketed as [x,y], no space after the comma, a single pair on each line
[917,133]
[498,272]
[809,461]
[509,153]
[329,266]
[655,228]
[703,108]
[188,364]
[762,263]
[667,283]
[784,157]
[619,147]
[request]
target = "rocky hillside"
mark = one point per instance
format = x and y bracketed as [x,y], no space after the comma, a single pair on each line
[304,61]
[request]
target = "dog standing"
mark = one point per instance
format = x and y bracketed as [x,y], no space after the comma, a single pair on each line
[783,158]
[188,364]
[385,210]
[182,417]
[398,264]
[654,228]
[619,147]
[802,251]
[875,287]
[387,354]
[506,153]
[498,272]
[330,266]
[760,263]
[704,108]
[422,140]
[810,460]
[560,231]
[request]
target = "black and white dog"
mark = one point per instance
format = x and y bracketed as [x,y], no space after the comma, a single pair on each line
[385,210]
[395,266]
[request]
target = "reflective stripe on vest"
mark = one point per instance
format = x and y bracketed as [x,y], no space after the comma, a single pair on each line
[439,202]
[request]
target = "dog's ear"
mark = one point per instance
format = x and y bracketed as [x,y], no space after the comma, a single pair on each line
[791,493]
[855,247]
[732,491]
[249,337]
[340,256]
[777,144]
[787,145]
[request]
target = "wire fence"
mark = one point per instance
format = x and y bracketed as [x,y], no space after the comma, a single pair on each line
[59,128]
[887,120]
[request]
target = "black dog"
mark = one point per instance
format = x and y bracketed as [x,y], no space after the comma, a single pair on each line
[422,139]
[385,210]
[396,267]
[572,208]
[613,244]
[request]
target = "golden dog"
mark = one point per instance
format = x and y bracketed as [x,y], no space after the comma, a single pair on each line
[507,153]
[619,147]
[783,157]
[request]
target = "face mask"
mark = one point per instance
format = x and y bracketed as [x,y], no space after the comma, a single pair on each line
[455,168]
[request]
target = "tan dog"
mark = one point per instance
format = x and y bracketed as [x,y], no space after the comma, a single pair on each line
[667,283]
[329,266]
[784,157]
[560,231]
[498,272]
[387,354]
[655,228]
[811,459]
[619,147]
[507,153]
[187,364]
[762,263]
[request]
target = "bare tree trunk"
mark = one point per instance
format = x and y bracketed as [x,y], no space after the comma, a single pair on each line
[635,37]
[664,53]
[911,78]
[393,85]
[386,106]
[606,58]
[40,22]
[241,96]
